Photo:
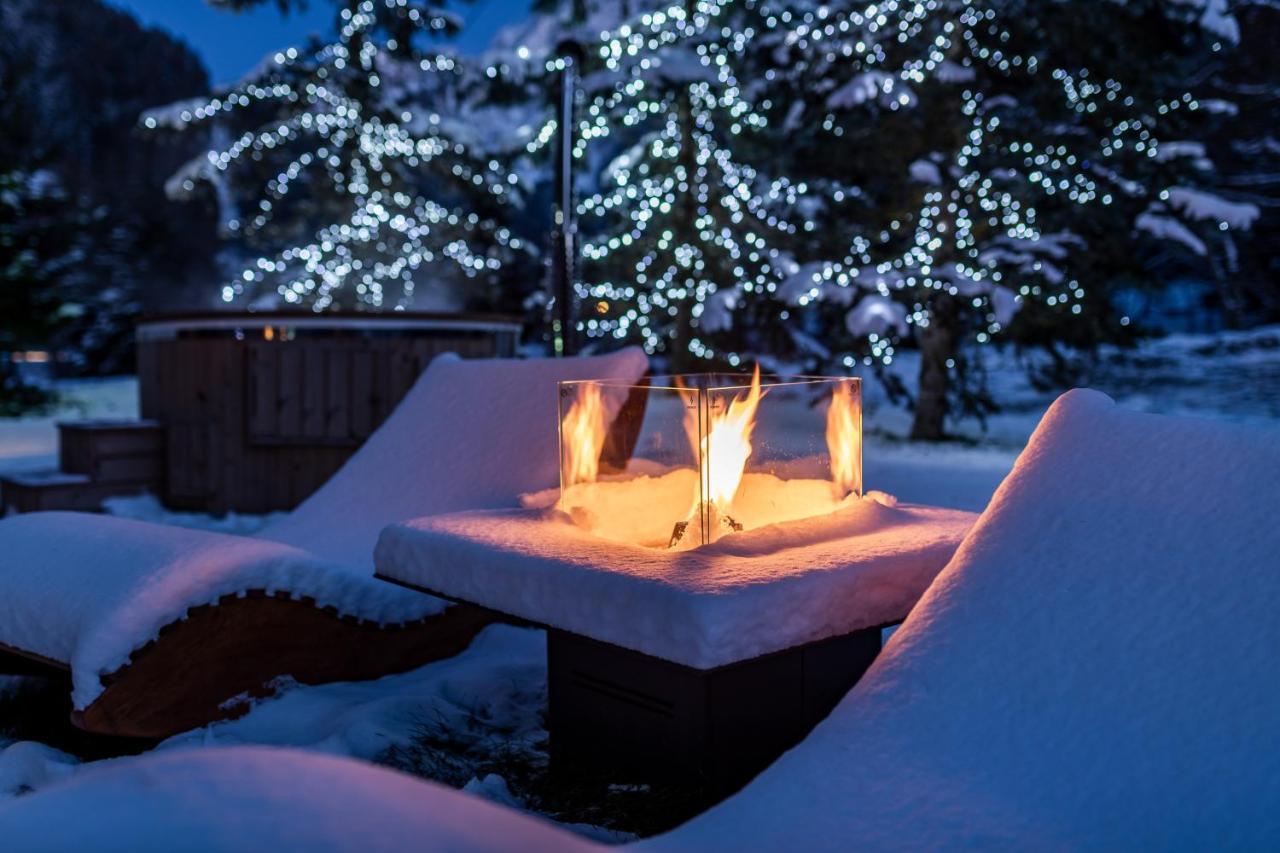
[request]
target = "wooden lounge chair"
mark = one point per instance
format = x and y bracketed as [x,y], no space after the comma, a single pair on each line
[1096,669]
[163,628]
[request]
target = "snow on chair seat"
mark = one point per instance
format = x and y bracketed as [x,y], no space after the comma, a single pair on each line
[1096,668]
[160,626]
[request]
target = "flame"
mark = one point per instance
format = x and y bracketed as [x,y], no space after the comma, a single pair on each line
[844,439]
[726,447]
[582,435]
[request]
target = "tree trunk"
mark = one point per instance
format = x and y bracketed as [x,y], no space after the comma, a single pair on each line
[686,216]
[937,347]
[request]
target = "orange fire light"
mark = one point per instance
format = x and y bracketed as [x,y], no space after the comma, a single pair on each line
[583,432]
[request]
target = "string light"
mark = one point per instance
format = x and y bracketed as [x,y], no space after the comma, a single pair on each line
[681,230]
[977,233]
[350,128]
[684,234]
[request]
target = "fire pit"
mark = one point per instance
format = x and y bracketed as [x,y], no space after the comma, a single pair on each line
[713,455]
[711,575]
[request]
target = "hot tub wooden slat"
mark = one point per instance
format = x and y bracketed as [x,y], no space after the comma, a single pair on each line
[260,410]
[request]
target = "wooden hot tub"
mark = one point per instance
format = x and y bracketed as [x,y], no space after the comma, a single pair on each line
[258,410]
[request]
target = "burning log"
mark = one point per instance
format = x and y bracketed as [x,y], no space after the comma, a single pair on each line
[718,524]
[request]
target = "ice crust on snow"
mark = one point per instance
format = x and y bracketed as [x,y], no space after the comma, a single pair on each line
[88,590]
[749,594]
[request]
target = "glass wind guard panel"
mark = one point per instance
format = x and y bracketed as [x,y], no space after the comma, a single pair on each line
[681,461]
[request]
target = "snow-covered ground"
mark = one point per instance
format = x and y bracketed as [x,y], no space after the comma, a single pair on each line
[478,709]
[488,702]
[1232,376]
[1229,375]
[31,443]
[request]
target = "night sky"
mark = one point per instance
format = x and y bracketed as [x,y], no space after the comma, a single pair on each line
[231,44]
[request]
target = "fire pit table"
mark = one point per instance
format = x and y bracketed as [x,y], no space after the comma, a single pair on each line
[713,660]
[711,577]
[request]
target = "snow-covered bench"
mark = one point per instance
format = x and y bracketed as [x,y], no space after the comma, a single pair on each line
[1096,668]
[160,627]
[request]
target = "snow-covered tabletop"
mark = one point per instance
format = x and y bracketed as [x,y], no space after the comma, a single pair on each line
[749,594]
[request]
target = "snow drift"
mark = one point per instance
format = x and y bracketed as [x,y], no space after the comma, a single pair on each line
[259,798]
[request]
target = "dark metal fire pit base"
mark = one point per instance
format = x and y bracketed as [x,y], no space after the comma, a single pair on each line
[624,711]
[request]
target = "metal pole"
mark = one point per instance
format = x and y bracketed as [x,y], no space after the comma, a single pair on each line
[564,236]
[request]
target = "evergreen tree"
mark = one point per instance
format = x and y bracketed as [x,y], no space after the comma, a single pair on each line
[339,153]
[998,158]
[684,235]
[35,249]
[74,75]
[1246,87]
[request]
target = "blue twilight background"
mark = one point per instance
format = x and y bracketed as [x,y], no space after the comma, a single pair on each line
[232,43]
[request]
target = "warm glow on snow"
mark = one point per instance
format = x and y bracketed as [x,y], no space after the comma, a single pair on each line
[844,440]
[583,434]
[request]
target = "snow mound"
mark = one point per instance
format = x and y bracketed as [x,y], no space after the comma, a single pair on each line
[25,766]
[257,798]
[1095,668]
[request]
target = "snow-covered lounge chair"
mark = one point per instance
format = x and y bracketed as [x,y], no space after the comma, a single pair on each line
[1097,668]
[163,628]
